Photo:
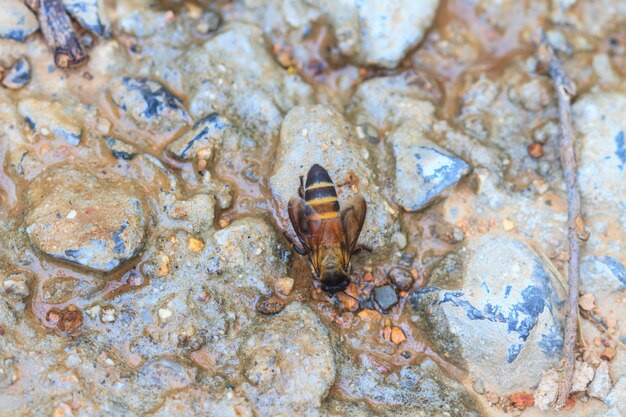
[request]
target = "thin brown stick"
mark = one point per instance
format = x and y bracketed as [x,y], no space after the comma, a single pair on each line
[576,233]
[56,27]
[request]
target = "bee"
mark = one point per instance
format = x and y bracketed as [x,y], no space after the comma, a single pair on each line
[327,235]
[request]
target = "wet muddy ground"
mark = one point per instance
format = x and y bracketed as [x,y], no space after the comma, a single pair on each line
[144,198]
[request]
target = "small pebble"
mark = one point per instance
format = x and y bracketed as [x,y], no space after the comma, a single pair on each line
[385,296]
[18,75]
[535,150]
[400,278]
[508,225]
[397,335]
[608,354]
[108,314]
[271,305]
[586,302]
[195,245]
[165,313]
[368,314]
[479,386]
[284,286]
[367,131]
[347,302]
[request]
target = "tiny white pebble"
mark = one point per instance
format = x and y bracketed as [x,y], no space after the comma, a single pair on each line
[45,131]
[165,313]
[109,362]
[71,214]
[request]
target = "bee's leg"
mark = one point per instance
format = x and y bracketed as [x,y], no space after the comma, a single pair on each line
[359,248]
[301,187]
[298,249]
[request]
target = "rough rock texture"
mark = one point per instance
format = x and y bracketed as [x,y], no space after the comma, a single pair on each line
[206,134]
[49,118]
[599,118]
[499,318]
[17,21]
[289,364]
[601,384]
[81,219]
[602,276]
[423,170]
[413,391]
[149,105]
[18,75]
[220,79]
[91,14]
[617,396]
[367,31]
[320,135]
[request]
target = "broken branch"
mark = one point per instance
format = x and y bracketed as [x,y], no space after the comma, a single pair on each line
[57,29]
[576,233]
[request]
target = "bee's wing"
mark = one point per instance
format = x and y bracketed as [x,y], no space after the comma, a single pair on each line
[297,208]
[352,218]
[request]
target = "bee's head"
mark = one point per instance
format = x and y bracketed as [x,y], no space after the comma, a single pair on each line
[334,280]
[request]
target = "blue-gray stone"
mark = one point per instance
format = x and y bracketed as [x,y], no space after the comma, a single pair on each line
[120,149]
[207,132]
[18,76]
[424,171]
[17,22]
[80,219]
[149,105]
[91,14]
[385,296]
[602,276]
[500,317]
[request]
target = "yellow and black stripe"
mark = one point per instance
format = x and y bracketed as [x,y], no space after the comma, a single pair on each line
[320,193]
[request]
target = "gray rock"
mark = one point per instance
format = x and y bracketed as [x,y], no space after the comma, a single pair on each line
[149,105]
[197,212]
[499,319]
[385,296]
[602,276]
[50,118]
[600,119]
[17,22]
[205,401]
[617,396]
[17,284]
[18,75]
[320,135]
[120,148]
[289,363]
[401,102]
[424,171]
[601,384]
[413,391]
[401,278]
[91,14]
[207,133]
[380,33]
[76,222]
[249,254]
[254,97]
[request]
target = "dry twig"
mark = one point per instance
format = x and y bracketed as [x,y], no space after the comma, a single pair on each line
[56,27]
[565,90]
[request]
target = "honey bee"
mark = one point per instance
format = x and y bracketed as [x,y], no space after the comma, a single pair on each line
[328,235]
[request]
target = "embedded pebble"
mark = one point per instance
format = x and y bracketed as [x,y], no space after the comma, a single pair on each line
[50,118]
[401,278]
[17,284]
[91,14]
[208,132]
[97,238]
[120,148]
[601,384]
[17,21]
[18,75]
[385,296]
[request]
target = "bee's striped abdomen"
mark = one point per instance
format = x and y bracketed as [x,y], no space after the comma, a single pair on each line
[320,194]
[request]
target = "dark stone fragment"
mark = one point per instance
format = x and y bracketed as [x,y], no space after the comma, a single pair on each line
[270,305]
[18,76]
[120,149]
[385,296]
